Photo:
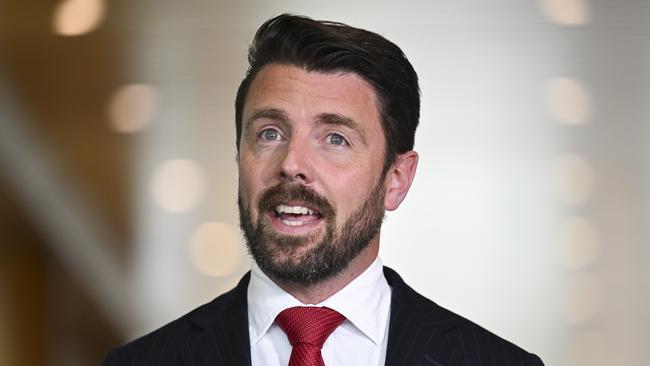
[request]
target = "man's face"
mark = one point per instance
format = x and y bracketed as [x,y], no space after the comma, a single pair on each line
[311,189]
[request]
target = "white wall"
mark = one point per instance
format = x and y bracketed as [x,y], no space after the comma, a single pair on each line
[526,214]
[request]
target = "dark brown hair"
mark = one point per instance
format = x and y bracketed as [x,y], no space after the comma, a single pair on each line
[331,47]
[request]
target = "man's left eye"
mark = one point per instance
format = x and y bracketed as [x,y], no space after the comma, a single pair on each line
[336,139]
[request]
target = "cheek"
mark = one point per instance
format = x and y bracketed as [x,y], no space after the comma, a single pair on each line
[351,191]
[254,177]
[256,167]
[247,190]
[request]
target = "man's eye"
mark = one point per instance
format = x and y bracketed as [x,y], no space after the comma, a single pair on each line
[269,134]
[336,139]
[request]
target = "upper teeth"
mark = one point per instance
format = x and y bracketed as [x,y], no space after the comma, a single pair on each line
[293,210]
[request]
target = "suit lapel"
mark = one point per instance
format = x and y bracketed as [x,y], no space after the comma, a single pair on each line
[416,336]
[224,338]
[418,328]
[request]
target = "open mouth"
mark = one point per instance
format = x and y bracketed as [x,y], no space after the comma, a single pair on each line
[296,215]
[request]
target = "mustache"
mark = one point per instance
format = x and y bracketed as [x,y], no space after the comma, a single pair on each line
[285,192]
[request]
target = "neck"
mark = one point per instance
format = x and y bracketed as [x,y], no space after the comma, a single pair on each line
[318,292]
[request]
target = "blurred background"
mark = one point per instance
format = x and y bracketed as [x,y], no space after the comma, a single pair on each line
[528,215]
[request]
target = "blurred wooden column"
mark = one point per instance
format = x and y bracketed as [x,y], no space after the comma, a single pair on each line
[22,302]
[46,316]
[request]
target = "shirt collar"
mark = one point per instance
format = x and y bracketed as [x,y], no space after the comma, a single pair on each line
[365,302]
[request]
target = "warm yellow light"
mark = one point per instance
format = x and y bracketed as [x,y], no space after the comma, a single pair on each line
[566,12]
[178,185]
[568,101]
[132,108]
[76,17]
[579,245]
[583,298]
[575,179]
[216,249]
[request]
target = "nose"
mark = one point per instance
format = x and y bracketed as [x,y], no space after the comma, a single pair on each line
[295,166]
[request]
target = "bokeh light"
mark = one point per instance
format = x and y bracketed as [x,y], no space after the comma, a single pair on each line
[77,17]
[568,101]
[177,185]
[567,12]
[132,108]
[216,249]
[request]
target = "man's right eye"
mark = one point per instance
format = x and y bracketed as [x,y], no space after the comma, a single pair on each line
[269,134]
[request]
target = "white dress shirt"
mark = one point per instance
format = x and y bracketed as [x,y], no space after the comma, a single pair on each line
[360,340]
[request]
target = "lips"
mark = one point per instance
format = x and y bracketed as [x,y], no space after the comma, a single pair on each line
[295,209]
[296,215]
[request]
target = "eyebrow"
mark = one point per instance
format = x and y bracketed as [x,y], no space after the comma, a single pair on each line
[268,113]
[339,120]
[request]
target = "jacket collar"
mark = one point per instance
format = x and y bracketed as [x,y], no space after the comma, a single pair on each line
[223,327]
[416,323]
[418,327]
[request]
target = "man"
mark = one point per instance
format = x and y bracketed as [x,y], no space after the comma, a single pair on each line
[326,120]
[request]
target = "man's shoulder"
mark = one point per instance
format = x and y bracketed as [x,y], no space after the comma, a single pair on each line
[163,346]
[421,328]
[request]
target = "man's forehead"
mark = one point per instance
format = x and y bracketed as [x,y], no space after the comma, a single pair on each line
[277,87]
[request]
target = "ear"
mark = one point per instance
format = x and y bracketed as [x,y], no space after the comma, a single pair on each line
[399,178]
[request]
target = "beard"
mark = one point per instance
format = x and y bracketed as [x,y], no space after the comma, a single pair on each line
[285,258]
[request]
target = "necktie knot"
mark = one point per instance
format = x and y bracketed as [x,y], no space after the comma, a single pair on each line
[307,329]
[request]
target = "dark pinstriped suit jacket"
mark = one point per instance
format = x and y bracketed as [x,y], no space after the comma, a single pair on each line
[420,333]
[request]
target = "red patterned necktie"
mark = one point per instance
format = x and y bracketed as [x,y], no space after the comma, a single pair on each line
[307,329]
